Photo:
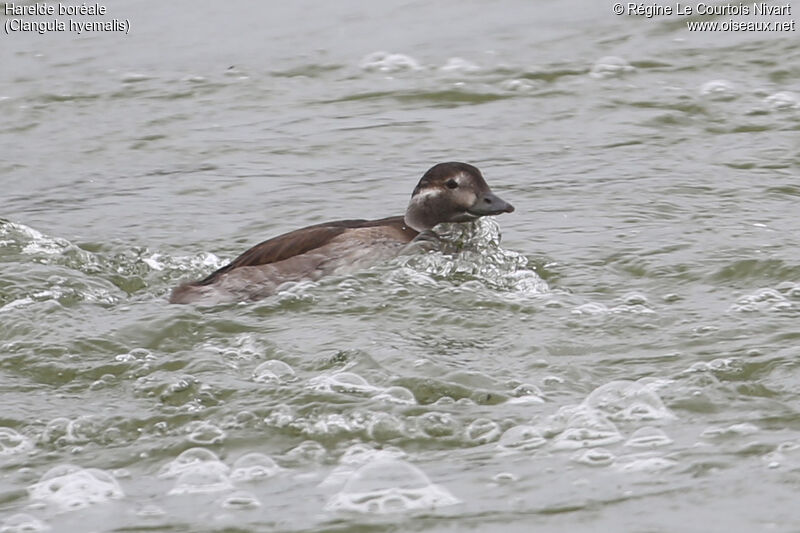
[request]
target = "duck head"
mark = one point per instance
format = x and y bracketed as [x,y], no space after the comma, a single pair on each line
[452,192]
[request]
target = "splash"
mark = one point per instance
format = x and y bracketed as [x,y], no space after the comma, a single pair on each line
[472,253]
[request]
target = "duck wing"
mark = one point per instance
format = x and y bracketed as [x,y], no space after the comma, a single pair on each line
[295,243]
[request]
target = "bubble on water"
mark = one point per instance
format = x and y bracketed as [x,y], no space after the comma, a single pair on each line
[334,424]
[526,393]
[253,467]
[444,401]
[273,371]
[13,442]
[644,463]
[386,62]
[357,454]
[396,394]
[783,100]
[242,419]
[610,66]
[786,455]
[242,500]
[550,381]
[437,424]
[281,416]
[134,77]
[187,460]
[385,426]
[241,347]
[83,429]
[633,309]
[521,438]
[629,401]
[648,437]
[634,298]
[722,364]
[343,382]
[591,308]
[137,354]
[305,453]
[71,487]
[151,511]
[505,477]
[483,430]
[205,433]
[594,457]
[525,282]
[733,431]
[201,478]
[719,90]
[385,486]
[790,289]
[23,523]
[518,85]
[583,427]
[459,65]
[762,300]
[354,458]
[55,432]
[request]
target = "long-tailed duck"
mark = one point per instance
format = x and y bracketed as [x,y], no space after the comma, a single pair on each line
[448,192]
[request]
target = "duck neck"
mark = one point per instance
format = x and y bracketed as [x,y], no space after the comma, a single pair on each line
[420,214]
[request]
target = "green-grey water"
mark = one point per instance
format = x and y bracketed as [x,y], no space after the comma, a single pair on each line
[623,359]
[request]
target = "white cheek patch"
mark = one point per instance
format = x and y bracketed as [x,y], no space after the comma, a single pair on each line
[466,198]
[428,192]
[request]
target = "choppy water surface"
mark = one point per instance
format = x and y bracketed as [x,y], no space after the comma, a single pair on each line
[625,360]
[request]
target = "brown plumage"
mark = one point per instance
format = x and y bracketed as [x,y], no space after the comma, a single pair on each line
[448,192]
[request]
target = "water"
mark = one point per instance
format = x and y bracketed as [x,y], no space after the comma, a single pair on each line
[624,360]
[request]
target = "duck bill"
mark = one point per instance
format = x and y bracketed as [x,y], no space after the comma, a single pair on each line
[489,204]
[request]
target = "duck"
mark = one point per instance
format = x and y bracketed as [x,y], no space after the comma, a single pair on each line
[447,192]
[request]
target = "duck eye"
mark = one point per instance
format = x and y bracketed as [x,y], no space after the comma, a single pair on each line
[452,184]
